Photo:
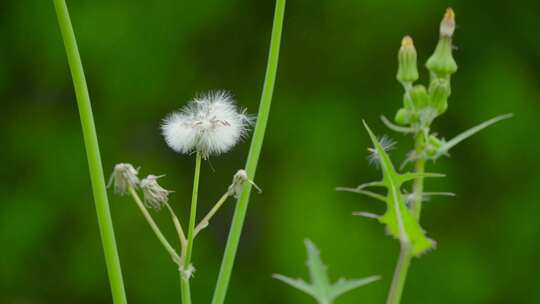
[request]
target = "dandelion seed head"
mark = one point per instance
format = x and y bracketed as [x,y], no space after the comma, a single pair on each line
[210,124]
[386,143]
[155,196]
[123,177]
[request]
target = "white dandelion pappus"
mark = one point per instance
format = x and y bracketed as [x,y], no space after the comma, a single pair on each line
[155,196]
[123,177]
[386,143]
[210,124]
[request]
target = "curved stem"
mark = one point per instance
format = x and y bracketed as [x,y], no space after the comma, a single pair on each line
[186,293]
[178,227]
[162,239]
[253,157]
[92,153]
[405,254]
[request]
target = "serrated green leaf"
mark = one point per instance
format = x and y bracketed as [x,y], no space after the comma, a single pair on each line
[320,287]
[446,146]
[399,221]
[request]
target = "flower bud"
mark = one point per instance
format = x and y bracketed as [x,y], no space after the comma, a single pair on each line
[407,70]
[419,96]
[403,116]
[123,177]
[439,90]
[433,146]
[154,195]
[238,181]
[441,63]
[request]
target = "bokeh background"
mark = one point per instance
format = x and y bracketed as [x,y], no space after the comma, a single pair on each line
[144,59]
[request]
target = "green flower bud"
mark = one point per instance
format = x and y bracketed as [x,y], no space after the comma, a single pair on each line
[441,63]
[439,90]
[403,117]
[433,146]
[407,70]
[420,97]
[407,101]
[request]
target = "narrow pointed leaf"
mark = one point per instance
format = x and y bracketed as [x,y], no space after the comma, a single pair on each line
[405,177]
[343,286]
[367,214]
[296,283]
[364,192]
[395,127]
[317,269]
[468,133]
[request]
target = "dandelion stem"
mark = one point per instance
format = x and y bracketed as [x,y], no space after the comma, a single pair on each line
[181,236]
[405,254]
[92,152]
[154,226]
[253,157]
[186,293]
[206,220]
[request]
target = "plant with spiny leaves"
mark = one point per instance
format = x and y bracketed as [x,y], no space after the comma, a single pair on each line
[421,106]
[320,287]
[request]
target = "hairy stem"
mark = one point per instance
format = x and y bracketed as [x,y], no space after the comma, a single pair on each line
[253,157]
[405,254]
[92,153]
[162,239]
[186,293]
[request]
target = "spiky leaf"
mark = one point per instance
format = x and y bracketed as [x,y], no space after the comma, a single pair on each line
[320,287]
[399,221]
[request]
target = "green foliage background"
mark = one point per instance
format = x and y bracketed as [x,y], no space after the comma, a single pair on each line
[338,62]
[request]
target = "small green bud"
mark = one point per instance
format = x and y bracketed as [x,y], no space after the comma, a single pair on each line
[420,97]
[441,63]
[433,146]
[439,90]
[407,101]
[407,70]
[403,117]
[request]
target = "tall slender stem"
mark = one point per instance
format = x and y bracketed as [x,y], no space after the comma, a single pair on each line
[186,293]
[253,157]
[405,254]
[162,239]
[92,153]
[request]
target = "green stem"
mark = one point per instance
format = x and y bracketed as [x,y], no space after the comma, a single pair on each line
[153,225]
[405,254]
[92,152]
[206,220]
[253,157]
[186,292]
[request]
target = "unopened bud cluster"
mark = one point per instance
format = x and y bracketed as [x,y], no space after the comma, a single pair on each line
[125,177]
[420,104]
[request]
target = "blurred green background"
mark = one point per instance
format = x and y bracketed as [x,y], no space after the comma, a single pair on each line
[144,59]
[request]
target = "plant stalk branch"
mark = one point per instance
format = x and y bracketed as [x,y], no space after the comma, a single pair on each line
[405,254]
[253,157]
[92,153]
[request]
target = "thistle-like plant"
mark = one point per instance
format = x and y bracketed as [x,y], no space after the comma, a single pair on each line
[421,106]
[320,287]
